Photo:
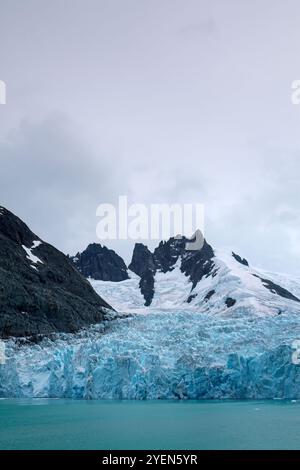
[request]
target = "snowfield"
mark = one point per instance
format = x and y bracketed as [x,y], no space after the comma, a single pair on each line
[173,349]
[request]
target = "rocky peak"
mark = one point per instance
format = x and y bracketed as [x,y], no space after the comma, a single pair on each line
[15,229]
[194,263]
[100,263]
[142,260]
[168,252]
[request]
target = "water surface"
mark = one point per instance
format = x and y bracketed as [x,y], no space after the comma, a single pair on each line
[80,424]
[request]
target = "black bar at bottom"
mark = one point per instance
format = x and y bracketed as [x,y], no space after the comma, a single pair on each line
[134,459]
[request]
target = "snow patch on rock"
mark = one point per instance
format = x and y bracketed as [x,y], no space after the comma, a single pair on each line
[33,258]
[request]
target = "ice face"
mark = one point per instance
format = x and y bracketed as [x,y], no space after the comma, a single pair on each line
[172,350]
[161,355]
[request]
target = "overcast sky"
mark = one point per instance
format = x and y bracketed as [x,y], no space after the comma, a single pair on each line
[161,100]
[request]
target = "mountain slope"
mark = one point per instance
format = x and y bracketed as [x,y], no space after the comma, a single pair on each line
[216,328]
[207,279]
[169,352]
[100,263]
[145,264]
[40,291]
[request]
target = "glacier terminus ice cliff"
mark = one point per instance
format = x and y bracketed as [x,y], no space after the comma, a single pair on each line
[174,325]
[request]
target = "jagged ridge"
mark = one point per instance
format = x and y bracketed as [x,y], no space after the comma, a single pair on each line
[194,264]
[100,263]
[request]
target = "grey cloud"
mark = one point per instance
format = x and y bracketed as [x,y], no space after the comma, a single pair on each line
[53,180]
[205,27]
[161,100]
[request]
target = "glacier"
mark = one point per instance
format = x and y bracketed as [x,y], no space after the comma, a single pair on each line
[174,355]
[171,350]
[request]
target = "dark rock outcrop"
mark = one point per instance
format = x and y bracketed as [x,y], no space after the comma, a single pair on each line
[193,263]
[143,265]
[191,297]
[100,263]
[240,260]
[276,289]
[209,295]
[230,302]
[167,253]
[40,290]
[142,260]
[147,286]
[197,264]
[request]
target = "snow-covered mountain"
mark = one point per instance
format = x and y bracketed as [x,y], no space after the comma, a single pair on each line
[209,281]
[215,328]
[173,277]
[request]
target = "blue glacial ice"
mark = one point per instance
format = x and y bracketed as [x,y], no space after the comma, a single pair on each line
[172,350]
[160,355]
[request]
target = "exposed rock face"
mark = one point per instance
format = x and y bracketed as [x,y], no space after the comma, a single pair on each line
[40,290]
[191,297]
[230,302]
[147,286]
[143,265]
[276,289]
[194,263]
[197,264]
[142,260]
[167,253]
[209,295]
[239,259]
[101,264]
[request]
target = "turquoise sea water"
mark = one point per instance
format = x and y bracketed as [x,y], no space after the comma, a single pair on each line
[69,424]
